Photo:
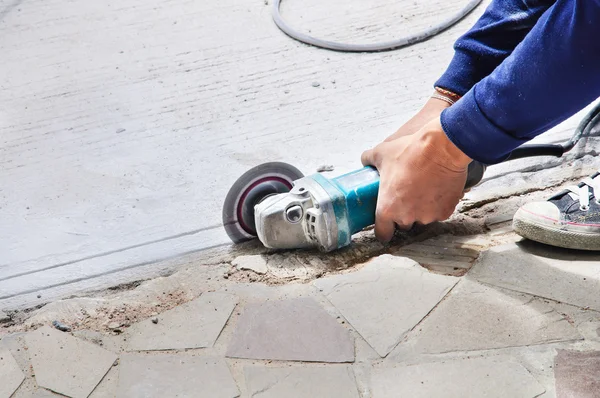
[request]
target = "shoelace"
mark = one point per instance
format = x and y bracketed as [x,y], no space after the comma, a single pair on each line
[583,192]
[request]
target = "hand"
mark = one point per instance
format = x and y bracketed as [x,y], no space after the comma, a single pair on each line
[431,110]
[422,178]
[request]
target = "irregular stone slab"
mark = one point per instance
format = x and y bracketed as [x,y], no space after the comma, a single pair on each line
[160,376]
[300,382]
[196,324]
[476,377]
[386,298]
[11,375]
[65,364]
[3,317]
[577,374]
[477,317]
[567,276]
[43,393]
[293,330]
[450,255]
[255,263]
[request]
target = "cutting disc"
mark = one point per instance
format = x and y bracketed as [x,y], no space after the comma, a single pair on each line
[252,187]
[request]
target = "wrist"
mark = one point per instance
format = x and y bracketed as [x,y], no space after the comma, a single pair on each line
[443,149]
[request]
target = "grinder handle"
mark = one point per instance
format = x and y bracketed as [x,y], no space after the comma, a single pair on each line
[360,189]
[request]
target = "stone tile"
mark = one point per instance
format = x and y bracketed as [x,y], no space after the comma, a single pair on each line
[577,374]
[386,298]
[108,387]
[11,375]
[3,317]
[149,376]
[293,382]
[562,275]
[256,263]
[43,393]
[196,324]
[65,364]
[476,377]
[293,330]
[442,254]
[477,317]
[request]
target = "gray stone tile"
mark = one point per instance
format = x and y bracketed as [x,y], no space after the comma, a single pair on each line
[196,324]
[477,317]
[108,387]
[11,375]
[42,393]
[577,374]
[180,375]
[4,317]
[65,364]
[476,377]
[256,263]
[566,276]
[294,330]
[386,298]
[301,382]
[447,255]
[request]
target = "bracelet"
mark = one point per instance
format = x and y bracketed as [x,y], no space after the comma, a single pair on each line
[443,98]
[455,97]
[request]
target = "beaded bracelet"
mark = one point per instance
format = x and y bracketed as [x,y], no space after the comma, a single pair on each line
[455,97]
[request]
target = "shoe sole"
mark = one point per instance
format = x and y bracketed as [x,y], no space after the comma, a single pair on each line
[556,237]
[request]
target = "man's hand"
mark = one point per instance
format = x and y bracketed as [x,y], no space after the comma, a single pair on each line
[422,179]
[431,110]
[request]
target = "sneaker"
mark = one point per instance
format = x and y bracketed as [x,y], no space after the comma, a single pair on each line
[569,219]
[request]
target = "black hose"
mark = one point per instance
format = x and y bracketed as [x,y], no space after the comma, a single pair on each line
[583,129]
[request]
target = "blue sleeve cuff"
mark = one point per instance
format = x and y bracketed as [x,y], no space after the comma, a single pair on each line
[473,133]
[460,75]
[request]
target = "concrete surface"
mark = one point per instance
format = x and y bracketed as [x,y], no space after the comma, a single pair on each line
[123,124]
[402,292]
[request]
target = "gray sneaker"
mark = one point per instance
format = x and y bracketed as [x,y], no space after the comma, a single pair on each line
[569,219]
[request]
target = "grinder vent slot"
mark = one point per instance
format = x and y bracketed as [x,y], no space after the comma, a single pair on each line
[310,226]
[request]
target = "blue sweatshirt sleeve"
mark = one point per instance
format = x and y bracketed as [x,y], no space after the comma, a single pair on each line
[494,36]
[552,74]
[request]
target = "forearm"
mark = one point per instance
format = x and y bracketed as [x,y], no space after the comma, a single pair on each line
[552,74]
[494,36]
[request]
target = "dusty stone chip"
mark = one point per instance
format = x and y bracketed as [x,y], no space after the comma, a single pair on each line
[256,263]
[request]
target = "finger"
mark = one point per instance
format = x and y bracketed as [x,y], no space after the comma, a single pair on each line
[368,158]
[384,226]
[384,230]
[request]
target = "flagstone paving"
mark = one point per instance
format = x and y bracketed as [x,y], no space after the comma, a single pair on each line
[389,328]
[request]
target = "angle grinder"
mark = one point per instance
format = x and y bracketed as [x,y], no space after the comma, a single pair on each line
[286,210]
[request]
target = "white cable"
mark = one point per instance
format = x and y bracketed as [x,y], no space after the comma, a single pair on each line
[385,46]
